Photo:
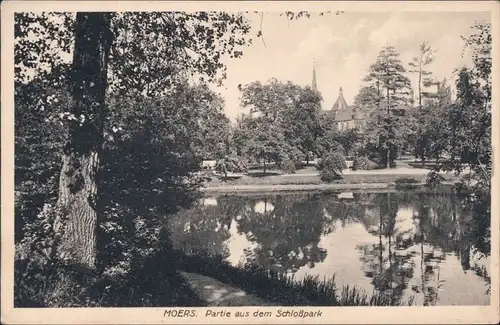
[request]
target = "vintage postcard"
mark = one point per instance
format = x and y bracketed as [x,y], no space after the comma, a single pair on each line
[250,162]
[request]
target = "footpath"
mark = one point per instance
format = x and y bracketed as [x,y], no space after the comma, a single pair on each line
[216,293]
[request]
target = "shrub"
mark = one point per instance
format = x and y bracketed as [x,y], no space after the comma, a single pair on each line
[288,166]
[41,278]
[147,278]
[231,164]
[330,167]
[363,163]
[434,179]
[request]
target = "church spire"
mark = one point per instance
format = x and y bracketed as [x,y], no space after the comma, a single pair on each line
[314,85]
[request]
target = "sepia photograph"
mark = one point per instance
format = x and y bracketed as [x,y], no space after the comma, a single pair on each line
[283,160]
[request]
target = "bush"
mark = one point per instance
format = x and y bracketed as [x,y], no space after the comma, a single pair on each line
[363,163]
[41,278]
[231,164]
[434,179]
[148,278]
[330,167]
[288,166]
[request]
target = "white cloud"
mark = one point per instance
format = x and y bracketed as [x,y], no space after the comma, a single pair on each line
[317,43]
[396,28]
[355,68]
[322,40]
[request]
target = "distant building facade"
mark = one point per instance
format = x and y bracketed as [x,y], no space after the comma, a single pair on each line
[344,116]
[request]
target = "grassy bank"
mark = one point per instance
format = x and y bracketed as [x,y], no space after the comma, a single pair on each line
[153,283]
[157,282]
[313,182]
[280,289]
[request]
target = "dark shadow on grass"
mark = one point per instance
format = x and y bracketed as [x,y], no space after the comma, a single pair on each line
[154,282]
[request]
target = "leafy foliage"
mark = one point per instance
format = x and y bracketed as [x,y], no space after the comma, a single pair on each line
[39,136]
[329,139]
[139,41]
[232,164]
[430,125]
[159,124]
[284,122]
[167,41]
[465,133]
[388,96]
[259,143]
[154,141]
[288,166]
[363,163]
[384,140]
[330,167]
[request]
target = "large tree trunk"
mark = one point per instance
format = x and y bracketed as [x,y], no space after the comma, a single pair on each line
[78,188]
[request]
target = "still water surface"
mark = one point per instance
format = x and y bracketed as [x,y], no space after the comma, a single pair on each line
[412,244]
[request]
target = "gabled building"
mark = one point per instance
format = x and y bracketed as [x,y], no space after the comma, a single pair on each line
[344,116]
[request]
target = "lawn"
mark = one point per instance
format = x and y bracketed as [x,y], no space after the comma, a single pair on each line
[308,175]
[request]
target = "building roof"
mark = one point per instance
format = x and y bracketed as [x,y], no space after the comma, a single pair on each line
[342,112]
[340,103]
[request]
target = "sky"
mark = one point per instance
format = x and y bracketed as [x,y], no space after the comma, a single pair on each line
[343,47]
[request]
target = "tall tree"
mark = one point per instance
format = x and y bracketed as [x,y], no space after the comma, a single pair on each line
[169,41]
[393,89]
[469,117]
[387,75]
[430,123]
[419,66]
[286,109]
[78,183]
[302,123]
[261,141]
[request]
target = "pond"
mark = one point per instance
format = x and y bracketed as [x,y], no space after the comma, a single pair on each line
[425,245]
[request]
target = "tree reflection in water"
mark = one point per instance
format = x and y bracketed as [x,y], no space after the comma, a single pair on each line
[414,231]
[287,234]
[387,263]
[441,226]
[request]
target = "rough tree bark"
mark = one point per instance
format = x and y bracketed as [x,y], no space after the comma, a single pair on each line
[78,187]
